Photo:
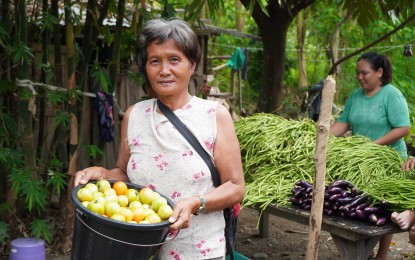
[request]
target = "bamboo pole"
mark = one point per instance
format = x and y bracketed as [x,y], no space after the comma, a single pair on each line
[320,154]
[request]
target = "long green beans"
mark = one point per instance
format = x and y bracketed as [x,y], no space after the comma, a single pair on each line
[277,152]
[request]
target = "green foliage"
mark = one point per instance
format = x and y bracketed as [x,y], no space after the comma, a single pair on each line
[100,78]
[40,229]
[48,21]
[3,232]
[56,179]
[95,150]
[62,118]
[21,53]
[34,191]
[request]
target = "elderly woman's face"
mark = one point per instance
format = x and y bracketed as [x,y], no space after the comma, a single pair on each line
[168,69]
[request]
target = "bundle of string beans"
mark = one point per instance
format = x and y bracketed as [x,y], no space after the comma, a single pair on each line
[276,152]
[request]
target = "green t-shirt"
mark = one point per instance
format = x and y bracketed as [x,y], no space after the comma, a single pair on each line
[375,116]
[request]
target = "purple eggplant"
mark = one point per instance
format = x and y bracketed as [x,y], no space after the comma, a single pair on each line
[335,197]
[306,206]
[346,193]
[295,201]
[355,191]
[372,210]
[372,218]
[327,204]
[381,221]
[299,193]
[326,196]
[307,201]
[303,184]
[359,200]
[335,190]
[331,212]
[361,215]
[352,215]
[363,206]
[342,184]
[343,200]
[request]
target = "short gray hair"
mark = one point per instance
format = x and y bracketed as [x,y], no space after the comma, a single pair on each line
[159,31]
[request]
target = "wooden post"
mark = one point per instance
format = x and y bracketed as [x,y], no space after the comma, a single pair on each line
[323,130]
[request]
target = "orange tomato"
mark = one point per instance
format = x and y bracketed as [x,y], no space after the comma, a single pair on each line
[127,213]
[120,187]
[139,214]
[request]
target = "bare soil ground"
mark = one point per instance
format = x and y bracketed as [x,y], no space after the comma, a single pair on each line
[288,240]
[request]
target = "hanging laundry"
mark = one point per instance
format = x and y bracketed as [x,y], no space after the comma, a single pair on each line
[245,66]
[408,50]
[236,62]
[103,104]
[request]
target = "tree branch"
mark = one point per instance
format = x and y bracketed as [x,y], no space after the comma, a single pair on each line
[410,18]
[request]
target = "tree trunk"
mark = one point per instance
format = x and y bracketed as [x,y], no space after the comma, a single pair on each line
[240,16]
[273,30]
[25,123]
[5,62]
[320,156]
[73,134]
[301,36]
[89,46]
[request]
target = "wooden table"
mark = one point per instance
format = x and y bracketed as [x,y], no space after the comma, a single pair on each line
[354,239]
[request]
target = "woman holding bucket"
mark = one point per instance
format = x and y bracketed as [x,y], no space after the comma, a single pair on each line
[153,153]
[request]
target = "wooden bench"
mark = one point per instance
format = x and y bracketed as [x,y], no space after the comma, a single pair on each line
[354,239]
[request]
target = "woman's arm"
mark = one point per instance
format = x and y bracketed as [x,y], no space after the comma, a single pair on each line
[339,128]
[393,135]
[120,171]
[229,164]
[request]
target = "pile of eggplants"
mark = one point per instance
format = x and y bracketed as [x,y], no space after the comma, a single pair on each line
[342,198]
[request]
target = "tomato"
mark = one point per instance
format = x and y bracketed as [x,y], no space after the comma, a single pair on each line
[147,195]
[123,200]
[97,194]
[109,191]
[135,204]
[118,217]
[165,211]
[132,195]
[84,194]
[112,208]
[157,203]
[138,214]
[153,218]
[97,207]
[103,185]
[92,187]
[127,213]
[111,197]
[120,187]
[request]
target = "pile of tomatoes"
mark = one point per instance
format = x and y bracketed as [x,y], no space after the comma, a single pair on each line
[121,203]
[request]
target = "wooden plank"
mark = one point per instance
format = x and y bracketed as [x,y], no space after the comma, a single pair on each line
[350,229]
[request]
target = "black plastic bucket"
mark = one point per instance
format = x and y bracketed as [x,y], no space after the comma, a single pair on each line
[98,237]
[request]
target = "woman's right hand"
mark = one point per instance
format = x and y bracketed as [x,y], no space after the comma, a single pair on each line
[91,173]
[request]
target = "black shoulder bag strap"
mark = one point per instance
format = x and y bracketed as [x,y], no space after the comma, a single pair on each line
[191,139]
[185,132]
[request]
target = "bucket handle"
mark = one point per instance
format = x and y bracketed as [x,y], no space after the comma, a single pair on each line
[120,241]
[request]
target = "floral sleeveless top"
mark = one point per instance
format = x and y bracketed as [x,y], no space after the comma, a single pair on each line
[162,159]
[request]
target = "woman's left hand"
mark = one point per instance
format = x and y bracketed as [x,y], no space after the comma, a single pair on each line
[182,212]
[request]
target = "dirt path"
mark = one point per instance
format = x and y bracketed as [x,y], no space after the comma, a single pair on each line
[288,240]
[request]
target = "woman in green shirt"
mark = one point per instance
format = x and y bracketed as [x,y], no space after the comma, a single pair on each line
[378,111]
